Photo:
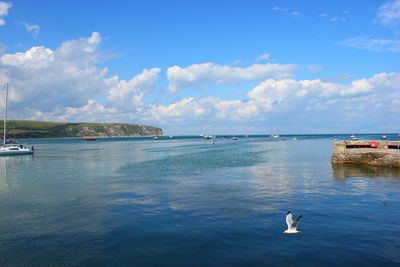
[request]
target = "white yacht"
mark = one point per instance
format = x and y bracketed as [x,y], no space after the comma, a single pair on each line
[353,137]
[274,134]
[207,137]
[12,149]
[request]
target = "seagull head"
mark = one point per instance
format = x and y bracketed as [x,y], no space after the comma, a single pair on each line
[288,212]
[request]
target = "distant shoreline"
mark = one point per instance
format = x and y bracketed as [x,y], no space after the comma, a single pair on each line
[21,129]
[282,136]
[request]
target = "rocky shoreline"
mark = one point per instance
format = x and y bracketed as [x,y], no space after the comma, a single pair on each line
[37,129]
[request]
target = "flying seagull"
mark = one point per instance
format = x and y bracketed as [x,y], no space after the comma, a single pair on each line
[292,225]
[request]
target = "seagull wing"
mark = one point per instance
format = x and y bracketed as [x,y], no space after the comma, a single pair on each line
[296,222]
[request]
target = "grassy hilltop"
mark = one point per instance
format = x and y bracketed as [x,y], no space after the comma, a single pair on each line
[41,129]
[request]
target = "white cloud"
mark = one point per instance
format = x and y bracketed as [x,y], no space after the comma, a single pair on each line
[90,112]
[378,45]
[83,48]
[263,57]
[45,79]
[184,108]
[35,58]
[200,74]
[281,95]
[65,83]
[288,96]
[236,109]
[128,93]
[31,28]
[389,13]
[4,7]
[358,87]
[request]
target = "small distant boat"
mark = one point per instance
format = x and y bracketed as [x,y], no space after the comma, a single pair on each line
[353,137]
[12,148]
[295,139]
[89,138]
[274,133]
[234,138]
[383,137]
[157,137]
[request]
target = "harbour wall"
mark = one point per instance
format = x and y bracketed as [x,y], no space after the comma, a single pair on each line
[375,153]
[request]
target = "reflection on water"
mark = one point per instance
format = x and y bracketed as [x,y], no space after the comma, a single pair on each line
[342,171]
[10,167]
[3,174]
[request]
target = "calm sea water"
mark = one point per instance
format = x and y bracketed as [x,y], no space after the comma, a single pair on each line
[188,202]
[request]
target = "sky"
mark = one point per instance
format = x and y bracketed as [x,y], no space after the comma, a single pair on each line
[205,66]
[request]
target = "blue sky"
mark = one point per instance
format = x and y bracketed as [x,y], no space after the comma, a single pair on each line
[195,67]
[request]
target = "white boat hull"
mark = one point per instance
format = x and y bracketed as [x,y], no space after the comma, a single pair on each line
[11,151]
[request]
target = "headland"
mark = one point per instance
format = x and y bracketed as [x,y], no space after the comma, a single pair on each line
[39,129]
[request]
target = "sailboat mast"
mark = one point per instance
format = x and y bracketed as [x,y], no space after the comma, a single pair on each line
[5,117]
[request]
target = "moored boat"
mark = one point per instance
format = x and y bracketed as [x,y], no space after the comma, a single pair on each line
[11,148]
[207,137]
[354,138]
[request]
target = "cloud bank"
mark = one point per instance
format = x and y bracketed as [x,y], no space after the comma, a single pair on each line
[68,84]
[202,74]
[288,96]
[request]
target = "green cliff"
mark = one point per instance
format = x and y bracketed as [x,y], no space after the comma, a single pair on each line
[39,129]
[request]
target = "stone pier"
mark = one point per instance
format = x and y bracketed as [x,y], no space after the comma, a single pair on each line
[377,153]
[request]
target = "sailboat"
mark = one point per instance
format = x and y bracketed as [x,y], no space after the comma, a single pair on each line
[274,135]
[12,149]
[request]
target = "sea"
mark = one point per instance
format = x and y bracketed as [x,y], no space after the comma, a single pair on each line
[184,201]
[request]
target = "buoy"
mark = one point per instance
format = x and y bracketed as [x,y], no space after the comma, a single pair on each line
[374,144]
